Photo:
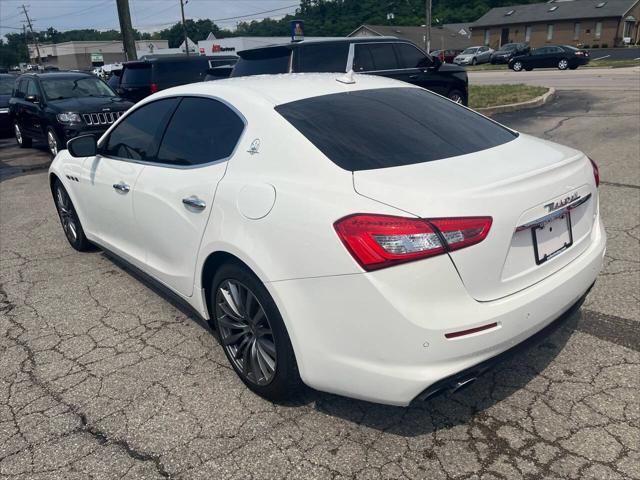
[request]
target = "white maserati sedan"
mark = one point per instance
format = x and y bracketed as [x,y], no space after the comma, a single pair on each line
[353,233]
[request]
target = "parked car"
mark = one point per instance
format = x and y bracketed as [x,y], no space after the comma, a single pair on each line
[6,87]
[508,51]
[446,56]
[56,107]
[151,74]
[367,237]
[385,56]
[474,56]
[551,56]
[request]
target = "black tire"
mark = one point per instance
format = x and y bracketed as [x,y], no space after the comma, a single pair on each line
[528,69]
[573,67]
[285,383]
[474,61]
[21,139]
[456,96]
[69,219]
[52,138]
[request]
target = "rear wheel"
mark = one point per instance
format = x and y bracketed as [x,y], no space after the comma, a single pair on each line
[21,139]
[69,219]
[517,66]
[252,333]
[573,67]
[563,64]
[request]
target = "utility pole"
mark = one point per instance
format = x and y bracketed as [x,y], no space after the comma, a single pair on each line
[427,37]
[128,38]
[35,39]
[184,27]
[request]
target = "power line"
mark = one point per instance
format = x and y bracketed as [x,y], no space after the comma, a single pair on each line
[35,39]
[77,12]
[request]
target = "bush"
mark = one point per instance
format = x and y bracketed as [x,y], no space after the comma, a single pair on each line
[595,46]
[586,46]
[605,45]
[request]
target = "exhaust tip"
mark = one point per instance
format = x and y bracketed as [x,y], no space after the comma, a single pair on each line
[463,383]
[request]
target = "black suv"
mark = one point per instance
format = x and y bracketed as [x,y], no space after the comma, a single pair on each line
[6,87]
[56,107]
[507,51]
[141,78]
[386,56]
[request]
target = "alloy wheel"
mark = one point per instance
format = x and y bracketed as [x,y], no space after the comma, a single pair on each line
[18,134]
[563,64]
[517,66]
[456,98]
[67,214]
[52,142]
[245,332]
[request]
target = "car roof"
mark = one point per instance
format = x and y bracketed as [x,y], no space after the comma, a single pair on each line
[56,74]
[148,59]
[282,88]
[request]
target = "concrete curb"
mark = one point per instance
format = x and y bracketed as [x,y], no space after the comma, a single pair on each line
[513,107]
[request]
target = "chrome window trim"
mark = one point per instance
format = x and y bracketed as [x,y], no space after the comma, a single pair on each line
[181,167]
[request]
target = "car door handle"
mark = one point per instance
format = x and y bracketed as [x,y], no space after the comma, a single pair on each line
[121,187]
[194,202]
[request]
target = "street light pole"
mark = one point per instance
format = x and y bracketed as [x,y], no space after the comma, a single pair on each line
[427,38]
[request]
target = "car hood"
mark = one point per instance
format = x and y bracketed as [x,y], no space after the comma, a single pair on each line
[89,104]
[451,68]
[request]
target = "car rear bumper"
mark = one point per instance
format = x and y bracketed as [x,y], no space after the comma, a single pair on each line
[380,336]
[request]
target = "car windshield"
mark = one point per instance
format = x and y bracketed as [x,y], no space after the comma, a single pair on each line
[508,47]
[469,51]
[6,85]
[61,88]
[391,127]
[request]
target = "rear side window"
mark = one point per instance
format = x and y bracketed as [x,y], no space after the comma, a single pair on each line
[136,75]
[137,137]
[362,59]
[391,127]
[267,61]
[330,57]
[201,131]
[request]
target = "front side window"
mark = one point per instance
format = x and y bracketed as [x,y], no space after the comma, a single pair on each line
[390,127]
[384,58]
[61,88]
[201,131]
[137,137]
[410,57]
[32,88]
[329,57]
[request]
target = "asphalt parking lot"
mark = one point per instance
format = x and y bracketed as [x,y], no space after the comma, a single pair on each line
[103,377]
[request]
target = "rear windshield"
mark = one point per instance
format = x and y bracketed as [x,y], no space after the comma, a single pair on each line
[391,127]
[179,73]
[136,75]
[258,62]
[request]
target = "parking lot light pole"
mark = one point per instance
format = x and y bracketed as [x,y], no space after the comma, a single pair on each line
[427,38]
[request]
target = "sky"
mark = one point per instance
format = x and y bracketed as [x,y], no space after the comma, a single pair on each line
[146,15]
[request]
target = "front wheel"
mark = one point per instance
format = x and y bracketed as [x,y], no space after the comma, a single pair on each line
[474,62]
[563,64]
[69,219]
[52,142]
[517,66]
[21,139]
[252,333]
[456,96]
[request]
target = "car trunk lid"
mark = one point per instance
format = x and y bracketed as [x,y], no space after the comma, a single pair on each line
[517,184]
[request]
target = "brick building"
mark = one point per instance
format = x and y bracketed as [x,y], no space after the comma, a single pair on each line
[610,23]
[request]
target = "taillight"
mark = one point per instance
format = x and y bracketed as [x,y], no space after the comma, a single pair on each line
[154,87]
[378,241]
[596,172]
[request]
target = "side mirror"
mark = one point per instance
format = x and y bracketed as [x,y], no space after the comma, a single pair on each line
[83,146]
[32,98]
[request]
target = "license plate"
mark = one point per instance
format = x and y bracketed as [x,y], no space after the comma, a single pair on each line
[552,238]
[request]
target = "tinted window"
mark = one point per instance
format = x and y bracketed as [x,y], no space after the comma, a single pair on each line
[136,75]
[383,55]
[390,127]
[330,57]
[21,88]
[410,57]
[362,59]
[137,137]
[32,88]
[6,85]
[179,73]
[257,62]
[201,131]
[540,51]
